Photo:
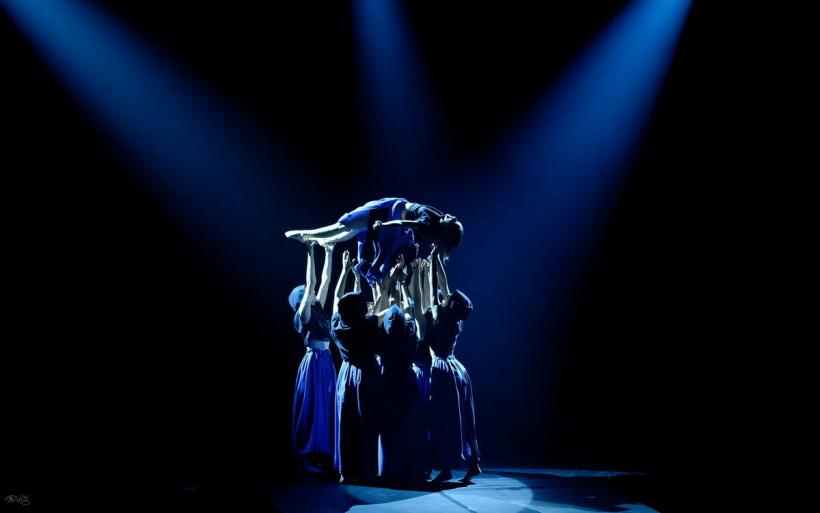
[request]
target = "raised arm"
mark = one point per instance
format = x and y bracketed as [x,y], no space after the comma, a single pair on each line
[388,285]
[327,268]
[347,265]
[424,285]
[415,285]
[442,276]
[408,223]
[434,286]
[310,283]
[416,294]
[398,275]
[357,283]
[382,303]
[376,291]
[407,302]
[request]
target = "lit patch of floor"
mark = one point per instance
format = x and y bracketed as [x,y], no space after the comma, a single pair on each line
[502,490]
[561,472]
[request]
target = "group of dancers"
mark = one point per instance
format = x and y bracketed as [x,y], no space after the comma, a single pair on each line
[402,405]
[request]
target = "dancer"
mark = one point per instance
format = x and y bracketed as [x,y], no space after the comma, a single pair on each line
[420,293]
[422,359]
[385,228]
[357,389]
[313,405]
[452,410]
[403,434]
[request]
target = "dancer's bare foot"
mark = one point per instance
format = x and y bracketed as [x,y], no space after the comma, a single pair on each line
[295,235]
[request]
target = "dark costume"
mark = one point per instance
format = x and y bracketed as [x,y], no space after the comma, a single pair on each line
[452,410]
[357,388]
[422,361]
[377,250]
[403,434]
[313,397]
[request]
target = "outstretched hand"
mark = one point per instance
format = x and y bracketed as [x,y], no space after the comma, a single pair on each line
[433,256]
[399,265]
[310,245]
[423,264]
[377,225]
[346,263]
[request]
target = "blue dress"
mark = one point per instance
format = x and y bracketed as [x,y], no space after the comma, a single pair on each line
[422,362]
[403,435]
[313,397]
[357,394]
[452,409]
[377,250]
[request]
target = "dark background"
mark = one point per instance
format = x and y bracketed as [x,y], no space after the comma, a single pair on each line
[134,357]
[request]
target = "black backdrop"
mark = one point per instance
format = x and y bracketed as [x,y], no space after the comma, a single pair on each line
[131,353]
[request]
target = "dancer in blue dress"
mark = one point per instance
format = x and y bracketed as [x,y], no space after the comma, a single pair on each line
[357,389]
[313,397]
[403,430]
[452,408]
[386,228]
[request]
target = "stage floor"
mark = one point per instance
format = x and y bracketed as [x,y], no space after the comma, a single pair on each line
[497,490]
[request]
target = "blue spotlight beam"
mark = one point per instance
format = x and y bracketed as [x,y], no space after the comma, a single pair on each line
[592,118]
[400,112]
[530,228]
[210,168]
[562,166]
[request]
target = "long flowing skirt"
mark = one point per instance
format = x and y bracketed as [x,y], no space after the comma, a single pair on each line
[452,414]
[313,407]
[403,434]
[357,430]
[422,372]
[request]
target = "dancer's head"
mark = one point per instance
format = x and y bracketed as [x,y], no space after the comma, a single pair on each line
[393,321]
[459,305]
[399,343]
[452,231]
[352,307]
[296,296]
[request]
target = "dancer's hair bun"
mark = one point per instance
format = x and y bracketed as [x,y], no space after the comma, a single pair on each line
[296,296]
[352,307]
[460,305]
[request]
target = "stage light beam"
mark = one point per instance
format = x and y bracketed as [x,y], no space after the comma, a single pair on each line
[531,227]
[210,168]
[402,120]
[556,175]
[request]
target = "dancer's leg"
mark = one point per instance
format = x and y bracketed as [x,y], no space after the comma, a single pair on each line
[325,231]
[339,237]
[336,232]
